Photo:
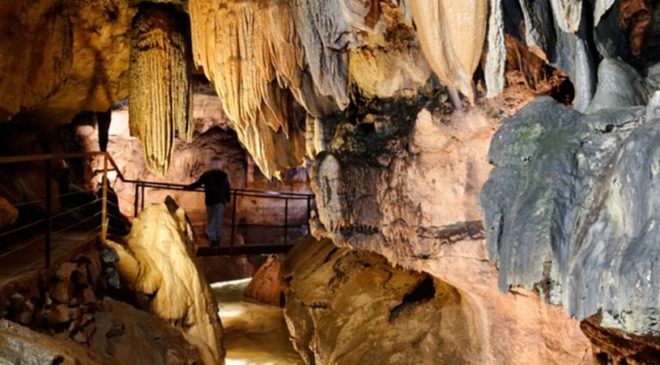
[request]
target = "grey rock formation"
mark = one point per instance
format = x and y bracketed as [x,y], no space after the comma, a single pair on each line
[571,211]
[619,85]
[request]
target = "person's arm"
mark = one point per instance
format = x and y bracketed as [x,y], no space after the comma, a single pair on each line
[196,184]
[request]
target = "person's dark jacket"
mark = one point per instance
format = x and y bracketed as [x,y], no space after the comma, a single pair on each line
[216,186]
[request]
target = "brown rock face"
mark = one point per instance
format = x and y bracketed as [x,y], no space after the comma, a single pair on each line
[266,285]
[612,346]
[414,201]
[59,57]
[352,307]
[404,193]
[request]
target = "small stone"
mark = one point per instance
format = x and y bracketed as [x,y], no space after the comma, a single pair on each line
[73,302]
[75,313]
[58,315]
[61,291]
[26,314]
[80,337]
[79,277]
[16,302]
[88,296]
[47,300]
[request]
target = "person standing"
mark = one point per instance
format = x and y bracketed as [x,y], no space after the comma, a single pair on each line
[216,195]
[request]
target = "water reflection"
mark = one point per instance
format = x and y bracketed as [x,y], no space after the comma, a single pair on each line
[255,333]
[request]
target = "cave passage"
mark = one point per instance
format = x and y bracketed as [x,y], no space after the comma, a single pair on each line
[255,333]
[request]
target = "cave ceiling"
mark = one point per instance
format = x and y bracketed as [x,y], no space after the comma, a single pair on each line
[283,68]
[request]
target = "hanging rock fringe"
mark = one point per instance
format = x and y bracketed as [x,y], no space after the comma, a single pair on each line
[451,35]
[258,61]
[160,88]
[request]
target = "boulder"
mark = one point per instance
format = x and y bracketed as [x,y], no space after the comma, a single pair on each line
[266,285]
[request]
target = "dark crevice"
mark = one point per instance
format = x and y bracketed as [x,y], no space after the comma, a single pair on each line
[422,293]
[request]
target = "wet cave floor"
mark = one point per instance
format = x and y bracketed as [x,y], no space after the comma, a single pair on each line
[254,333]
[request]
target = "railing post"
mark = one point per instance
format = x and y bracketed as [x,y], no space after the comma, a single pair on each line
[142,203]
[49,215]
[309,211]
[136,199]
[233,220]
[286,220]
[104,201]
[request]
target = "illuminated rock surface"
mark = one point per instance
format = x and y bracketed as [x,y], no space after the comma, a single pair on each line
[157,261]
[369,91]
[160,85]
[353,307]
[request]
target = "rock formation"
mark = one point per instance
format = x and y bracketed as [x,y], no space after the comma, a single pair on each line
[266,284]
[354,307]
[19,345]
[160,85]
[452,35]
[68,319]
[157,261]
[570,211]
[387,98]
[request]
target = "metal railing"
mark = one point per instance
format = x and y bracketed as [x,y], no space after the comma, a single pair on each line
[49,224]
[287,197]
[89,216]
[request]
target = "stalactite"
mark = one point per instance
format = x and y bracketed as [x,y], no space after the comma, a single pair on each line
[160,88]
[452,34]
[495,52]
[326,35]
[262,56]
[568,14]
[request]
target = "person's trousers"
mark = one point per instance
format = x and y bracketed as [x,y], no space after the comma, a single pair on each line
[214,216]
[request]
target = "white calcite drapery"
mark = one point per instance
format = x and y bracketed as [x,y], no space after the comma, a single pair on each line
[452,35]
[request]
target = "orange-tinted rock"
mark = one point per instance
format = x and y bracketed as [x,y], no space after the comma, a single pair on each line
[266,285]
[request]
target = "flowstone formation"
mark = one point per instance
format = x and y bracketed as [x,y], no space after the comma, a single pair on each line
[571,212]
[156,260]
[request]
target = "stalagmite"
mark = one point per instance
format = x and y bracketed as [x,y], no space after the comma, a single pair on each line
[452,34]
[160,88]
[156,259]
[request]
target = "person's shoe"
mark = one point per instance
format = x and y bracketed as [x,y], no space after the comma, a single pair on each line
[215,243]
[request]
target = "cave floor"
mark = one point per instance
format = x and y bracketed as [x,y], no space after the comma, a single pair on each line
[254,333]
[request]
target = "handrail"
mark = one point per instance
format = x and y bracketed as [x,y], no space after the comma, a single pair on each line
[174,186]
[48,158]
